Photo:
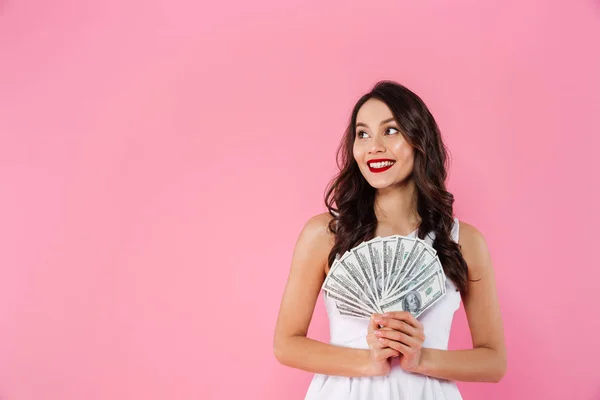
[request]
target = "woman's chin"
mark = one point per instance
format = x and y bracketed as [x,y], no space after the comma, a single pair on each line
[383,184]
[379,185]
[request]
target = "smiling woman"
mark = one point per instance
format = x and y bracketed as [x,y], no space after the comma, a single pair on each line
[382,138]
[391,182]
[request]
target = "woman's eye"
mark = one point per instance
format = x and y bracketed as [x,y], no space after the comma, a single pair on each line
[390,128]
[360,134]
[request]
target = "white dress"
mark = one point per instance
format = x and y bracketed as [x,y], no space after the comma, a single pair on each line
[398,385]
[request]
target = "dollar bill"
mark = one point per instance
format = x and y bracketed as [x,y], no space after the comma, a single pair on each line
[386,274]
[415,263]
[340,299]
[389,250]
[405,246]
[362,257]
[353,314]
[420,297]
[433,267]
[375,247]
[350,275]
[339,281]
[344,307]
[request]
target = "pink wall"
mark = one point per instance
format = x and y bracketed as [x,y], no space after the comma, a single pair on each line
[159,158]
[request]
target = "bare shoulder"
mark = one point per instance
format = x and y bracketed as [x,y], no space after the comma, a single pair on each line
[316,231]
[474,250]
[470,237]
[316,238]
[318,224]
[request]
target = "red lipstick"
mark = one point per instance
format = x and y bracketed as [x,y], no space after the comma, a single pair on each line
[384,168]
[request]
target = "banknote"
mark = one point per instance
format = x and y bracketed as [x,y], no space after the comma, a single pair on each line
[348,310]
[375,247]
[363,258]
[340,282]
[420,297]
[416,262]
[393,273]
[389,250]
[405,248]
[424,273]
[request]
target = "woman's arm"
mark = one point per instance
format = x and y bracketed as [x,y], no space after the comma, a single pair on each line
[487,360]
[307,272]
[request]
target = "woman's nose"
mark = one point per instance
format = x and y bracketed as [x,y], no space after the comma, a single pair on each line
[376,146]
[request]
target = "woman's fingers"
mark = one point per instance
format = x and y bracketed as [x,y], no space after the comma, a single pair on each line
[372,326]
[404,316]
[394,334]
[386,353]
[399,347]
[403,323]
[398,337]
[379,351]
[374,342]
[400,326]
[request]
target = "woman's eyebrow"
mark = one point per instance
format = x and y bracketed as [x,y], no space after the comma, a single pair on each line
[385,121]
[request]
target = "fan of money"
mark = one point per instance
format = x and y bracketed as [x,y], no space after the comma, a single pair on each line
[392,273]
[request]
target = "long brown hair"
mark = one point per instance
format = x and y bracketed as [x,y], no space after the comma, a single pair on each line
[350,199]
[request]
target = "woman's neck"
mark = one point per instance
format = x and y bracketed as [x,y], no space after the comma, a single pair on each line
[396,208]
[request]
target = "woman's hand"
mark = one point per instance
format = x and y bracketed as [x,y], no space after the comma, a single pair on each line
[379,353]
[404,335]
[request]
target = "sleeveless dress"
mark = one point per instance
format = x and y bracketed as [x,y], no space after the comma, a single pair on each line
[399,384]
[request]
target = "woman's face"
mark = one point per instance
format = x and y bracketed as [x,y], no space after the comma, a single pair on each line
[384,157]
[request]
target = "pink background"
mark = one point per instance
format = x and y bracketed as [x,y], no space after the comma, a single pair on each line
[158,159]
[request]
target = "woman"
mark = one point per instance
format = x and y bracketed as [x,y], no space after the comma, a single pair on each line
[391,181]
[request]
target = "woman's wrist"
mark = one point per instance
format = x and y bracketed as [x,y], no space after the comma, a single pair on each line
[425,362]
[366,367]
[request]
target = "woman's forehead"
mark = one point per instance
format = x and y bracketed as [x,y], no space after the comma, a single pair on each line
[373,112]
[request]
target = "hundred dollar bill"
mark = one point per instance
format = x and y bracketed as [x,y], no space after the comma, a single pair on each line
[375,247]
[433,267]
[405,246]
[361,255]
[349,274]
[341,297]
[415,263]
[345,303]
[347,308]
[389,249]
[343,292]
[353,314]
[340,282]
[420,297]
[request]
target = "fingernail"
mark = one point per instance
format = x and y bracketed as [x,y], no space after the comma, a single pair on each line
[387,315]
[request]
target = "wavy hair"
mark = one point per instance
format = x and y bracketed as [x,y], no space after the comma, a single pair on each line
[350,199]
